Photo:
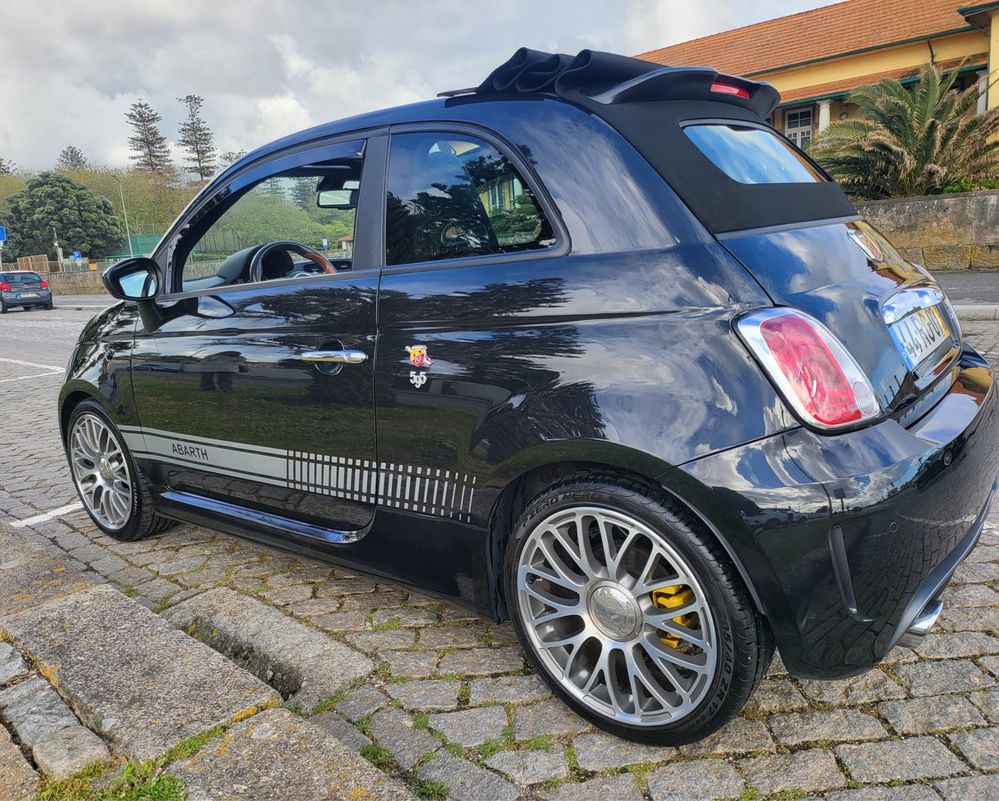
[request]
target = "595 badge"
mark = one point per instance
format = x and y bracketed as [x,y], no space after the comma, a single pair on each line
[419,358]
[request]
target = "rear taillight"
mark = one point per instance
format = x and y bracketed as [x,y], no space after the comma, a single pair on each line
[730,89]
[45,284]
[4,287]
[813,371]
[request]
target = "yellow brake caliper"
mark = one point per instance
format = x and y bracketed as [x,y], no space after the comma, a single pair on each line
[673,598]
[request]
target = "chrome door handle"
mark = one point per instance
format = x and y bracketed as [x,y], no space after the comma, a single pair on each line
[335,356]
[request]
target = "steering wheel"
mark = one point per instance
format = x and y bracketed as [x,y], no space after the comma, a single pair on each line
[257,262]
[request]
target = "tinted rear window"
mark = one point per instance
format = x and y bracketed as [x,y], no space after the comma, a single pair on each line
[752,155]
[20,278]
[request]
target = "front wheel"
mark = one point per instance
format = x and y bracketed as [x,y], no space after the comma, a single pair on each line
[114,493]
[632,614]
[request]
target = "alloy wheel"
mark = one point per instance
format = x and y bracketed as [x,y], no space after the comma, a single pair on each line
[616,616]
[100,471]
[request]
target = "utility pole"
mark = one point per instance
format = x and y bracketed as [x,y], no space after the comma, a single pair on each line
[121,194]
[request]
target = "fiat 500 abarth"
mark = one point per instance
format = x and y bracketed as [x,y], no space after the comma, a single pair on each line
[590,347]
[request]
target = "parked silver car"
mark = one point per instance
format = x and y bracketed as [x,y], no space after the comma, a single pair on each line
[23,288]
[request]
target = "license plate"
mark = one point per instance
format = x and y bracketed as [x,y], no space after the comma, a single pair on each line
[26,295]
[919,334]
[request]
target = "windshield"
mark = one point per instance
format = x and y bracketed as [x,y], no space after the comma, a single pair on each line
[20,278]
[752,155]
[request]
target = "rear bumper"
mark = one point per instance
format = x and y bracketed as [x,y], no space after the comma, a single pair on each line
[848,539]
[11,298]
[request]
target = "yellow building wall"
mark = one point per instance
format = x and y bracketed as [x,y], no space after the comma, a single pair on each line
[994,61]
[911,55]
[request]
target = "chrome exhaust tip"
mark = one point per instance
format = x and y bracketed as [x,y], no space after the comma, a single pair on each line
[924,621]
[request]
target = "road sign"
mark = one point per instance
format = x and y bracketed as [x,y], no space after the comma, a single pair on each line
[3,234]
[77,255]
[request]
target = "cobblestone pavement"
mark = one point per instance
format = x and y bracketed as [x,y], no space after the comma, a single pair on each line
[451,700]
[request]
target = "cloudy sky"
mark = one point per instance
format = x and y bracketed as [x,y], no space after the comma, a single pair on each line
[69,70]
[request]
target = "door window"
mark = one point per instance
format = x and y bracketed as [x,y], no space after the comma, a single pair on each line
[305,213]
[798,127]
[453,196]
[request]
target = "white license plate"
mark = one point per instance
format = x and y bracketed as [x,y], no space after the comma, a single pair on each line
[919,334]
[25,295]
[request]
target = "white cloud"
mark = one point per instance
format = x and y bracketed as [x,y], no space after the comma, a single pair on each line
[69,70]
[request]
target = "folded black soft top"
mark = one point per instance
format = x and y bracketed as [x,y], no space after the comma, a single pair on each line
[649,104]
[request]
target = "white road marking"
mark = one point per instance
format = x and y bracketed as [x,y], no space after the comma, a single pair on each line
[31,364]
[62,510]
[26,377]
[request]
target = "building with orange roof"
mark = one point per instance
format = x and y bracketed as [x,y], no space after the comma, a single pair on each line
[816,57]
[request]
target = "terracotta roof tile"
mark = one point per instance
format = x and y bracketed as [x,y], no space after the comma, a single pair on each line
[820,33]
[846,84]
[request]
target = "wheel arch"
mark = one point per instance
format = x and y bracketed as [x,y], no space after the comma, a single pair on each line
[531,480]
[71,396]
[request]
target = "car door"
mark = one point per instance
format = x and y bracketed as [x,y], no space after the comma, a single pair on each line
[241,407]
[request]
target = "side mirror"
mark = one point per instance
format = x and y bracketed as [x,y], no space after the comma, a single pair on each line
[134,279]
[337,199]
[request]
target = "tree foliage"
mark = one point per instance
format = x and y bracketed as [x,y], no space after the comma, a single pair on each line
[197,139]
[914,141]
[71,158]
[148,145]
[230,157]
[55,203]
[7,167]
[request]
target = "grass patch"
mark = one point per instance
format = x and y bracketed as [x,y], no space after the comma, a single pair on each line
[420,721]
[389,625]
[432,790]
[487,749]
[364,725]
[136,782]
[543,742]
[379,756]
[191,746]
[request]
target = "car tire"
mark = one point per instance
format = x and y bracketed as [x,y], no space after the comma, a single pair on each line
[27,308]
[615,651]
[115,495]
[3,307]
[50,306]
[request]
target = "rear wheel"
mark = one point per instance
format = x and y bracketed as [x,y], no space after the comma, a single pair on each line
[633,615]
[3,307]
[114,493]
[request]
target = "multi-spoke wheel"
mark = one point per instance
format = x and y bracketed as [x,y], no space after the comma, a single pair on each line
[632,615]
[114,493]
[100,471]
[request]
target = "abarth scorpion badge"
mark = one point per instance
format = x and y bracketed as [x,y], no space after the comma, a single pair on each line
[418,357]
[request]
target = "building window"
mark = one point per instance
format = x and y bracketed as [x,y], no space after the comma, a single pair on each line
[798,127]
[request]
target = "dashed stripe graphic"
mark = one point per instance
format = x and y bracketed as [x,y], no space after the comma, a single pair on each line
[426,490]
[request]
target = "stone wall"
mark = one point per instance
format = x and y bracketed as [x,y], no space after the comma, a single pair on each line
[941,232]
[86,282]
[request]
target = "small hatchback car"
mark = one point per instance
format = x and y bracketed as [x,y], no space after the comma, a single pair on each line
[25,289]
[589,346]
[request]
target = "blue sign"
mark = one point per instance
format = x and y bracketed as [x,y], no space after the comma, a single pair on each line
[77,255]
[3,234]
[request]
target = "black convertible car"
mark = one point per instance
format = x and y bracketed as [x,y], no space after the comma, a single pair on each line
[589,346]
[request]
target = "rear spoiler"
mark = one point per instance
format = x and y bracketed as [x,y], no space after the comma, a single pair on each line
[611,79]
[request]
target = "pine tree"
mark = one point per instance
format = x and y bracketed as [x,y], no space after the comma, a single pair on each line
[197,139]
[7,167]
[230,157]
[71,158]
[149,146]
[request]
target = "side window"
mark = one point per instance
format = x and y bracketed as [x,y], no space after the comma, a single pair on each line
[300,219]
[451,196]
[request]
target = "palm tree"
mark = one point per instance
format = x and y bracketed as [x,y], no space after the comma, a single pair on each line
[912,141]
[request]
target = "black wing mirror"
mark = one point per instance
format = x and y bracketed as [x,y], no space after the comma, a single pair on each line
[135,279]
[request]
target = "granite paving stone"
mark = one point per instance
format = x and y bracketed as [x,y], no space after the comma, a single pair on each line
[376,600]
[936,678]
[776,695]
[530,767]
[69,750]
[426,694]
[466,781]
[12,665]
[926,715]
[38,715]
[866,688]
[394,729]
[797,728]
[342,621]
[987,703]
[957,644]
[411,664]
[969,595]
[737,736]
[979,746]
[97,641]
[908,792]
[970,619]
[345,731]
[470,727]
[598,751]
[482,661]
[277,756]
[808,770]
[361,702]
[546,717]
[451,637]
[971,788]
[375,641]
[990,663]
[608,788]
[405,616]
[306,664]
[699,780]
[901,760]
[508,689]
[18,780]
